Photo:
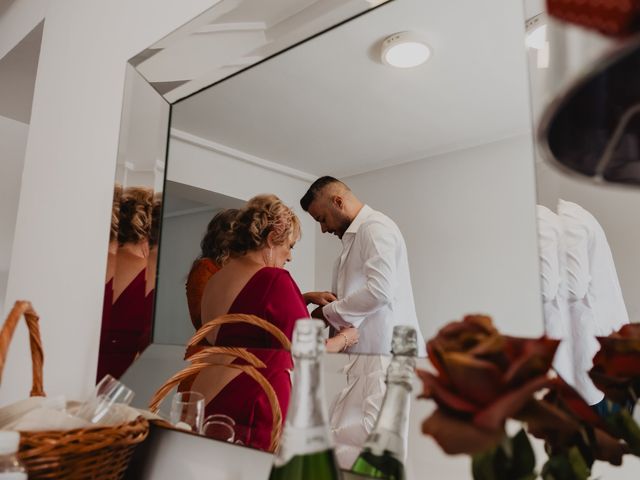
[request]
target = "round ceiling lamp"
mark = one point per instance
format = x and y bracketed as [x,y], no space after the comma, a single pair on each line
[404,50]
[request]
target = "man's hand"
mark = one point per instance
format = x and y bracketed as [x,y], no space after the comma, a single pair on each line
[317,313]
[319,298]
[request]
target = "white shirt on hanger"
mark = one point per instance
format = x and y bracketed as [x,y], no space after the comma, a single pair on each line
[553,287]
[373,284]
[594,296]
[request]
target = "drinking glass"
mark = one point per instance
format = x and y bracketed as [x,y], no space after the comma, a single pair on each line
[218,430]
[187,411]
[107,392]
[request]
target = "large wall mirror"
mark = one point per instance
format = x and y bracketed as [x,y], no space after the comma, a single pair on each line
[266,101]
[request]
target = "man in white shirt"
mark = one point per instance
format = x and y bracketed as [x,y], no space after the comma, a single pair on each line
[371,277]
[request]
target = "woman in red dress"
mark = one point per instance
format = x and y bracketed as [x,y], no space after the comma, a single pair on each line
[254,281]
[214,253]
[126,321]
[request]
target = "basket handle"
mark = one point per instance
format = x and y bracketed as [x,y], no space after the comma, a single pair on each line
[201,360]
[205,329]
[21,308]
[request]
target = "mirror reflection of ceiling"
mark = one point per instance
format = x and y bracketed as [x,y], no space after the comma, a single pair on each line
[347,113]
[233,35]
[181,199]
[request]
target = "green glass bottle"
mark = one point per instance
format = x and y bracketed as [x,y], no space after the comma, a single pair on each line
[384,450]
[305,451]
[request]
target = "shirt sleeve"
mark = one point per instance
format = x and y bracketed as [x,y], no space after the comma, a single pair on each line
[379,253]
[576,237]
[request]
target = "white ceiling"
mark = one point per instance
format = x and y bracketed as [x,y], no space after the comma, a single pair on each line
[232,35]
[329,106]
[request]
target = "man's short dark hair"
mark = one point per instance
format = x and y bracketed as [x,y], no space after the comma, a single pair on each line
[315,188]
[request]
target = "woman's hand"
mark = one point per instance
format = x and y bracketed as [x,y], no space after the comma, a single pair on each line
[319,298]
[344,339]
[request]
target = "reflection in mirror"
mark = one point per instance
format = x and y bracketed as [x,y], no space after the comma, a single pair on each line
[446,161]
[426,230]
[135,228]
[588,246]
[188,213]
[233,35]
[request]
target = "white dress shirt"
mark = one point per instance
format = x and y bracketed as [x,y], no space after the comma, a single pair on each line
[554,290]
[596,306]
[372,283]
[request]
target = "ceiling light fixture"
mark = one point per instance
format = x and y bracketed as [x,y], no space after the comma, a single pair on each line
[404,50]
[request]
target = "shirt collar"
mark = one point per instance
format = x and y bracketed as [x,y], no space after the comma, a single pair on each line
[365,212]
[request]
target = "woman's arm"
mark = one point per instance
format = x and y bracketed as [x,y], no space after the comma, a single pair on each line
[342,340]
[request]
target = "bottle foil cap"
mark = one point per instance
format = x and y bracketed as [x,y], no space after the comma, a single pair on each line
[404,341]
[308,338]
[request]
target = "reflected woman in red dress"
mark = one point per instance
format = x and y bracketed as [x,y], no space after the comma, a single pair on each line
[214,254]
[126,330]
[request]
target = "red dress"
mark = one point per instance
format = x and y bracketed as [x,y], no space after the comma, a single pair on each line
[126,327]
[272,295]
[199,275]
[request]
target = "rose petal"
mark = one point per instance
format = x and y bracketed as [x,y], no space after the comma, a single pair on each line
[608,448]
[549,423]
[489,346]
[433,388]
[457,436]
[479,381]
[620,364]
[536,357]
[616,389]
[630,330]
[574,402]
[509,405]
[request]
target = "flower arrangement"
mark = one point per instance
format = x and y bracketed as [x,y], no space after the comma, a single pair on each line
[481,379]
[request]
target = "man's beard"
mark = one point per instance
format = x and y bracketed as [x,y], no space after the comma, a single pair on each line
[344,225]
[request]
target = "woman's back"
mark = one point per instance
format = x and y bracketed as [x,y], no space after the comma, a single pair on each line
[267,292]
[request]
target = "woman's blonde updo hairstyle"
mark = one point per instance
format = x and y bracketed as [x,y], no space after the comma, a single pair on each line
[115,212]
[136,211]
[262,215]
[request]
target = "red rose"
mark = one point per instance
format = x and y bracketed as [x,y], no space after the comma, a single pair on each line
[616,367]
[482,379]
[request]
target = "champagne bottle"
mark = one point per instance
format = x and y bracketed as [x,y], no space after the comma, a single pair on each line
[305,451]
[383,453]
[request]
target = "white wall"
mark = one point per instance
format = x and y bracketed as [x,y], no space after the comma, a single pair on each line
[60,245]
[468,218]
[216,172]
[181,237]
[13,142]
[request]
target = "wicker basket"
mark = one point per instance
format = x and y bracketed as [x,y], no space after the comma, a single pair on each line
[202,357]
[95,453]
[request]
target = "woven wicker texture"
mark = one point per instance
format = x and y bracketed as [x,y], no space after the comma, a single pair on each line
[202,357]
[101,453]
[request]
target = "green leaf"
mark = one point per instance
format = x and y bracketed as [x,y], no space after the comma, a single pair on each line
[513,459]
[566,467]
[625,427]
[579,467]
[524,459]
[482,466]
